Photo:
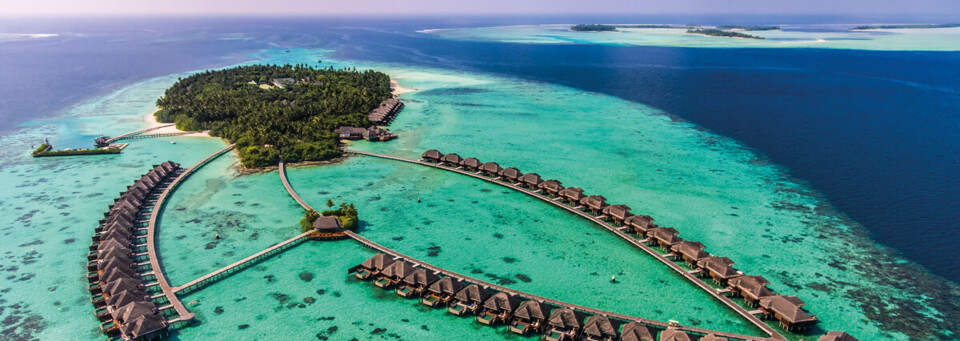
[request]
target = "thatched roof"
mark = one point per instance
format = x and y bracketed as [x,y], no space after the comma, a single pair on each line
[596,201]
[143,325]
[787,306]
[510,172]
[398,270]
[532,179]
[552,185]
[491,167]
[643,221]
[121,284]
[691,249]
[711,337]
[471,162]
[131,311]
[636,331]
[378,262]
[107,244]
[837,336]
[421,277]
[118,233]
[432,154]
[617,210]
[667,234]
[566,318]
[755,286]
[126,297]
[674,335]
[117,252]
[327,223]
[531,310]
[574,193]
[473,293]
[446,285]
[453,158]
[114,274]
[720,265]
[502,302]
[116,263]
[600,326]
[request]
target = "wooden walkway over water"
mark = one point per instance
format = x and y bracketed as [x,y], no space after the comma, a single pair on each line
[623,235]
[137,132]
[232,268]
[528,296]
[148,136]
[168,292]
[286,184]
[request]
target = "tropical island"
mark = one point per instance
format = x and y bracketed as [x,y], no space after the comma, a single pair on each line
[748,28]
[274,112]
[890,27]
[592,28]
[721,33]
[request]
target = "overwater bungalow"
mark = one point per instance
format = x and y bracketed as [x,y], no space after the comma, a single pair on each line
[788,311]
[564,324]
[719,268]
[529,317]
[122,284]
[376,133]
[636,331]
[497,308]
[491,169]
[510,174]
[617,213]
[373,266]
[599,328]
[132,310]
[594,203]
[468,300]
[441,292]
[665,237]
[674,335]
[837,336]
[145,327]
[691,252]
[552,187]
[471,163]
[327,224]
[431,155]
[751,288]
[711,337]
[640,224]
[393,274]
[531,180]
[572,195]
[125,297]
[452,160]
[416,282]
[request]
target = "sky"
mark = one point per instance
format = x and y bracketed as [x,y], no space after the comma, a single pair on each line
[327,7]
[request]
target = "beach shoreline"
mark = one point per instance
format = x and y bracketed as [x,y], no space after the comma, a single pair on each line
[152,122]
[397,90]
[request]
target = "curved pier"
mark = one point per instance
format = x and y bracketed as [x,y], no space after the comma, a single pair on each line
[693,279]
[137,132]
[168,292]
[286,184]
[624,318]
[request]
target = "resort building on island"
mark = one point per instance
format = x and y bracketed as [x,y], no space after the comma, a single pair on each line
[373,133]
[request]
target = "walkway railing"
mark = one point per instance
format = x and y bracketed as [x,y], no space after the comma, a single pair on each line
[286,184]
[138,132]
[184,314]
[230,269]
[693,279]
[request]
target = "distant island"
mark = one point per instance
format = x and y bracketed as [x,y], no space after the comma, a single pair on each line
[593,28]
[721,33]
[273,112]
[890,27]
[748,28]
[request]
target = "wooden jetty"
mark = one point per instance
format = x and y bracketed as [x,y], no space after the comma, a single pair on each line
[148,136]
[579,308]
[182,312]
[613,229]
[137,132]
[286,184]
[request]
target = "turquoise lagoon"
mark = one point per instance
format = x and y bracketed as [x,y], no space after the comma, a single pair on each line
[710,188]
[936,39]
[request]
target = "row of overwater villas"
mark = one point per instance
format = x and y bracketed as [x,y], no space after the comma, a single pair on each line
[385,113]
[787,310]
[489,307]
[117,259]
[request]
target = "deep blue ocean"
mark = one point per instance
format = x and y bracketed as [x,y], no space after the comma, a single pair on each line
[876,132]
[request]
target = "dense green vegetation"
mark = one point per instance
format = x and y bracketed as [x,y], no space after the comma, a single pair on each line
[41,152]
[721,33]
[748,28]
[592,28]
[269,122]
[306,223]
[888,27]
[650,26]
[43,147]
[347,214]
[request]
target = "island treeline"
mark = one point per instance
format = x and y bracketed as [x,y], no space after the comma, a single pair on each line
[890,27]
[721,33]
[593,28]
[273,111]
[748,28]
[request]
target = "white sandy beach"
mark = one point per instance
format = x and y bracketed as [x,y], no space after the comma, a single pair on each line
[397,89]
[152,122]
